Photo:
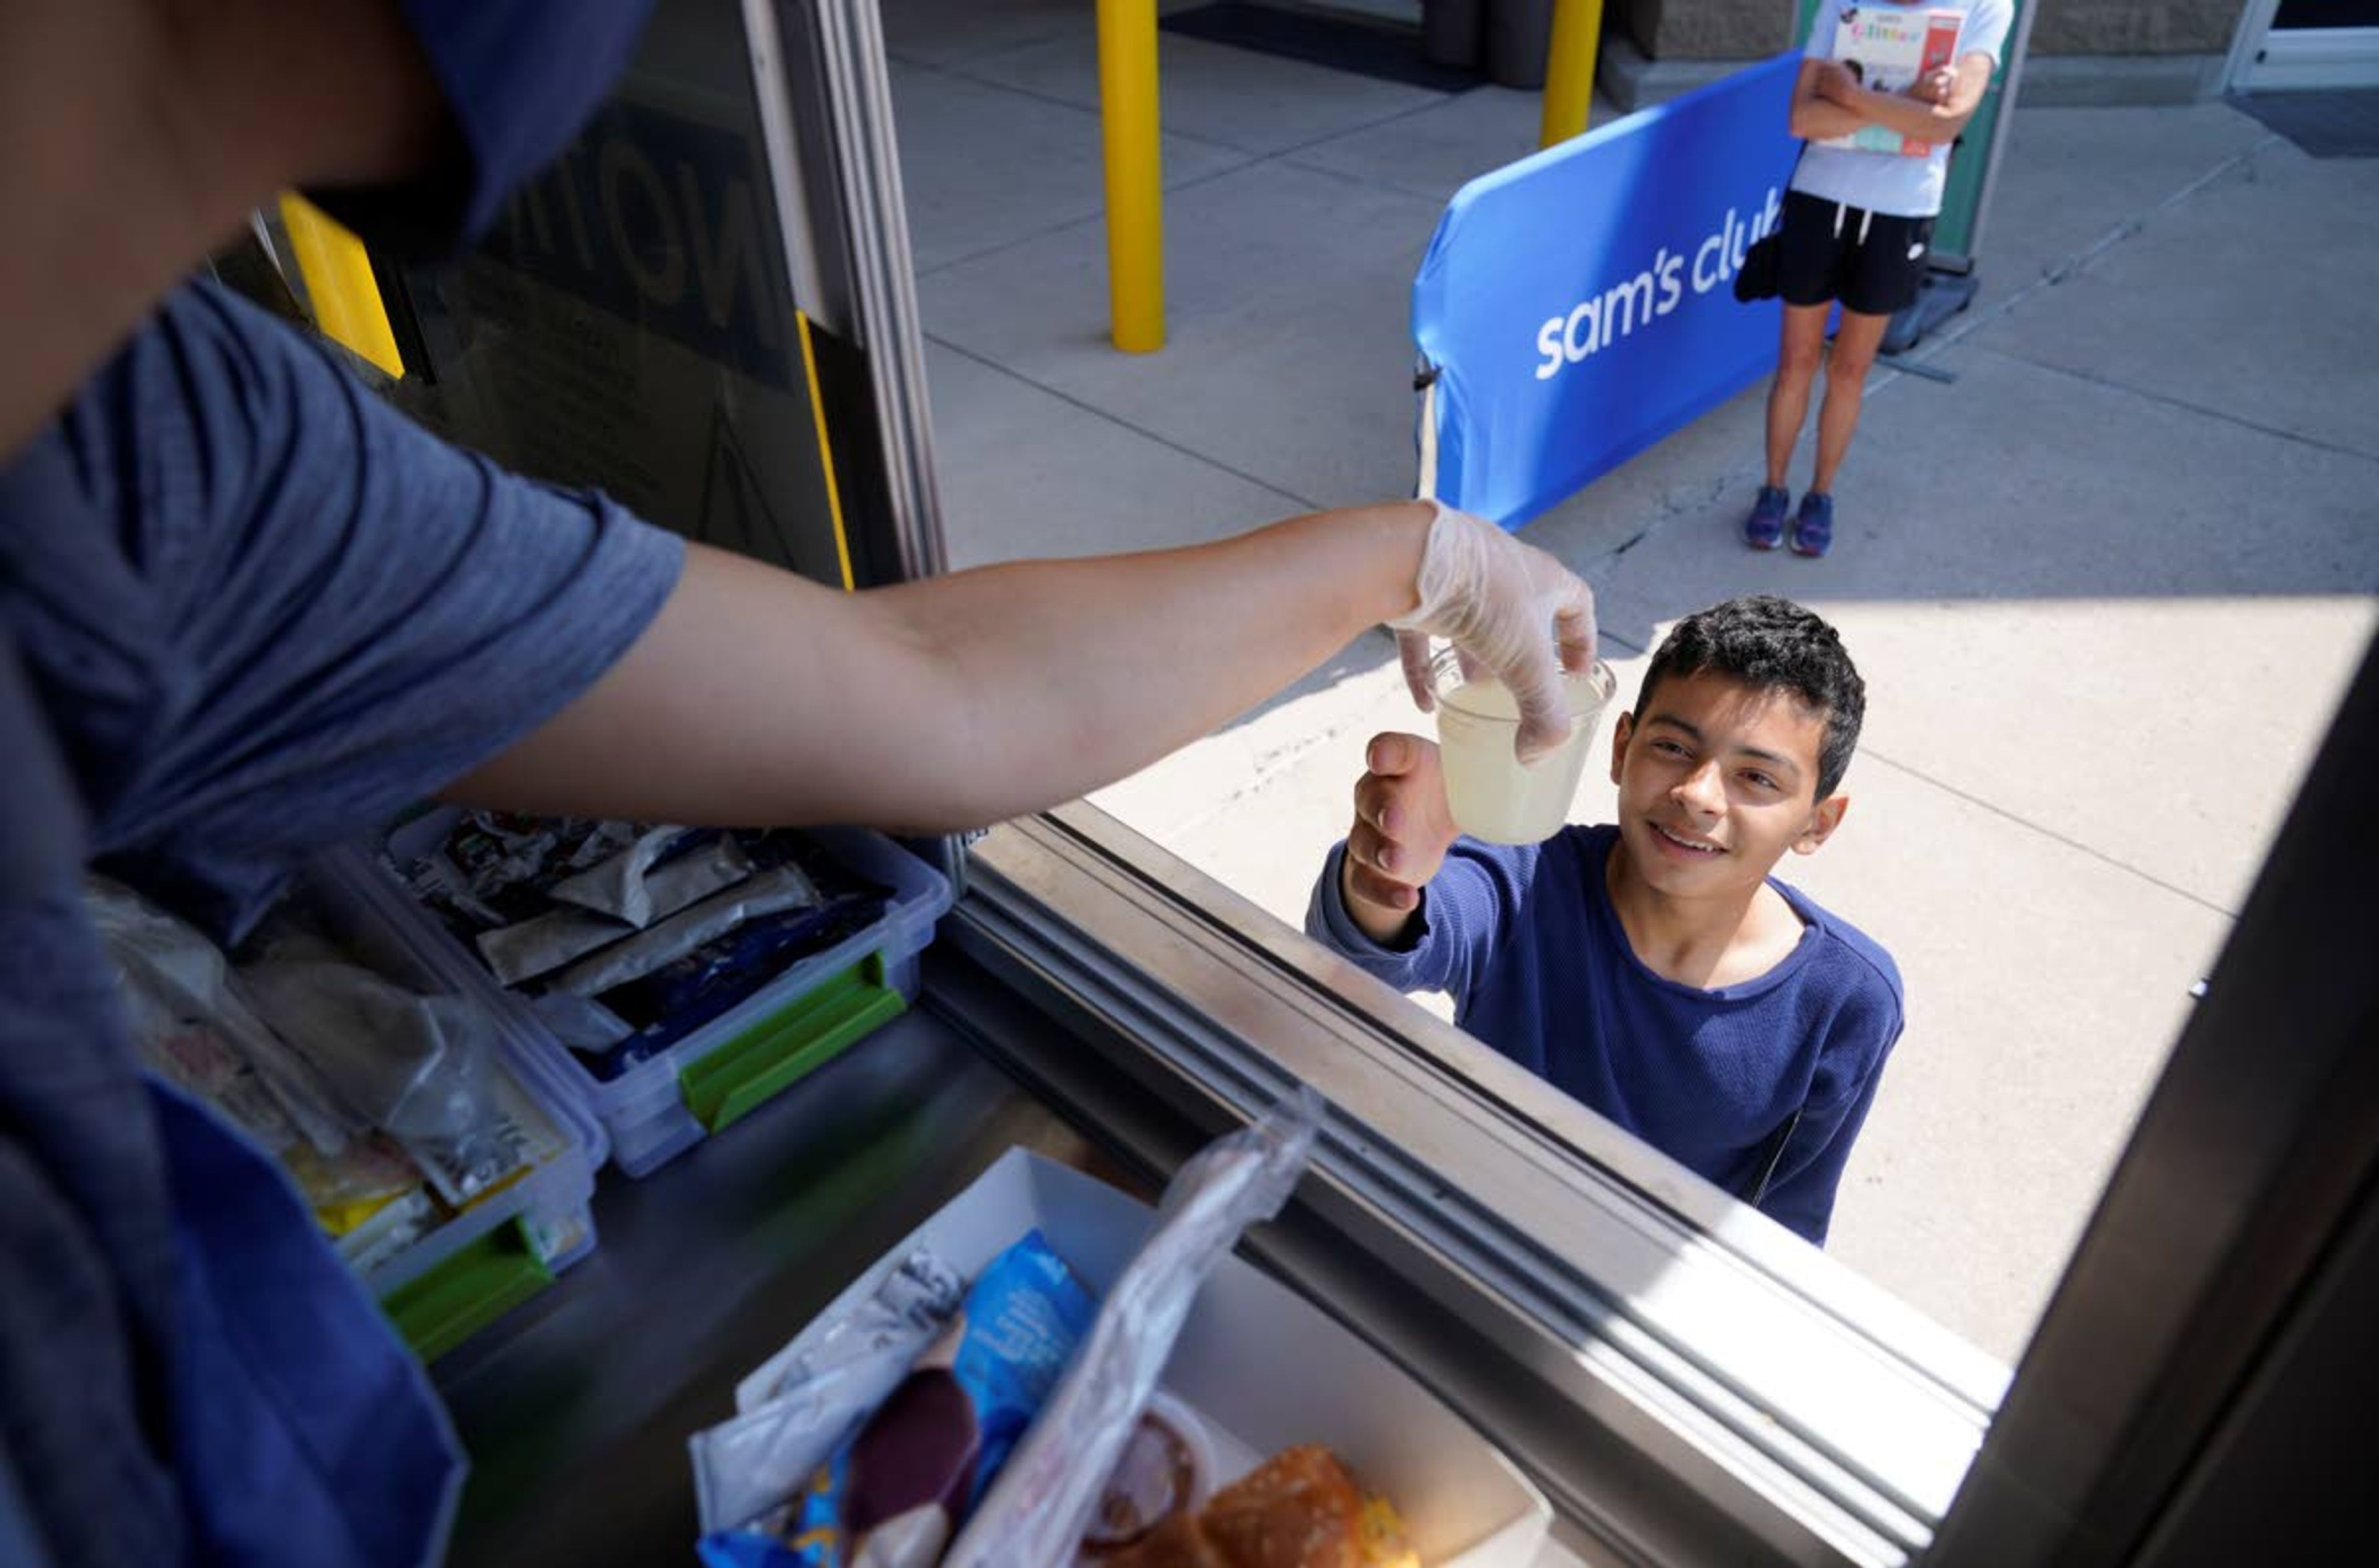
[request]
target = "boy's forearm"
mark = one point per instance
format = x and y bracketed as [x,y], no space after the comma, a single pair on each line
[1909,116]
[1816,119]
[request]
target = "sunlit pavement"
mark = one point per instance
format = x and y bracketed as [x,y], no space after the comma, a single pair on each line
[2105,585]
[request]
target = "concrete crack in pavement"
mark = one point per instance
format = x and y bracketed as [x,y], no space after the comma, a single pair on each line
[2091,378]
[2046,831]
[1971,321]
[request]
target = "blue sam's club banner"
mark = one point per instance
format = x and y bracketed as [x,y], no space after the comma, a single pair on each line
[1579,305]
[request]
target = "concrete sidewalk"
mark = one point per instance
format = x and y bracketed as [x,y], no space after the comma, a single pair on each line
[2105,585]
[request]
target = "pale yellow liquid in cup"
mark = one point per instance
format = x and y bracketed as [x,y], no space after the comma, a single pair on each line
[1491,795]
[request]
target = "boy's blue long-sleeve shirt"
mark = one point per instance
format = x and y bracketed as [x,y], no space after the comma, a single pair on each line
[1526,941]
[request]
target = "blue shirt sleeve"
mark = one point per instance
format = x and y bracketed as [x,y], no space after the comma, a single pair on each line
[1463,915]
[269,611]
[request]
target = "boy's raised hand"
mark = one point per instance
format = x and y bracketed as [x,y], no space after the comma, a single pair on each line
[1401,833]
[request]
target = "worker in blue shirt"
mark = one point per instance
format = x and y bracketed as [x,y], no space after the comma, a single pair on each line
[1652,968]
[246,611]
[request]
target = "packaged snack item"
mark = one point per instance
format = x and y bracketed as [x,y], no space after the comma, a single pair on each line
[897,1488]
[909,1306]
[616,900]
[625,939]
[546,941]
[350,1189]
[192,1023]
[196,1053]
[766,892]
[365,1090]
[493,868]
[747,1467]
[661,873]
[660,1009]
[421,1068]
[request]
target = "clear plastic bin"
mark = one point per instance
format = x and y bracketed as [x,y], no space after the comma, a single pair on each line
[508,1244]
[799,1021]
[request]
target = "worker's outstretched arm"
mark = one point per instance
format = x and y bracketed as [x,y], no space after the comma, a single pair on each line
[758,696]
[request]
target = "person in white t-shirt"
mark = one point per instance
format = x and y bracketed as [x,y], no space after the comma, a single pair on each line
[1855,229]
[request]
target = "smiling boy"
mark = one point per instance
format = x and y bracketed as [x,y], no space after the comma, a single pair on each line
[1653,969]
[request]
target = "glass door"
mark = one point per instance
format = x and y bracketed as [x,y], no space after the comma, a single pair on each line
[2306,45]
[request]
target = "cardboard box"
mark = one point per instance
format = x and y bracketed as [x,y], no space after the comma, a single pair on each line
[1265,1368]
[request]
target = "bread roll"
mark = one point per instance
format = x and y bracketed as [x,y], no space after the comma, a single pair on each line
[1300,1509]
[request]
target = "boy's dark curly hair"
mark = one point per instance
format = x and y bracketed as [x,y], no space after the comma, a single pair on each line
[1775,644]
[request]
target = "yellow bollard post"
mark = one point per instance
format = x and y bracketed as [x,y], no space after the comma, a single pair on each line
[339,283]
[1135,174]
[1569,70]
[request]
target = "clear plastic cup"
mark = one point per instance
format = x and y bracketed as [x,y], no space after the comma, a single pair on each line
[1491,795]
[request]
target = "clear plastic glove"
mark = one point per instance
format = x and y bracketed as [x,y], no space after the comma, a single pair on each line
[1505,606]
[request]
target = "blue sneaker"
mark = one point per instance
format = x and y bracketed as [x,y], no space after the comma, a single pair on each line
[1764,529]
[1813,530]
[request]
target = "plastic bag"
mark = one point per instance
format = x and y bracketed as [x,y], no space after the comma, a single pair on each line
[661,873]
[492,868]
[531,947]
[777,888]
[615,900]
[347,1190]
[817,1391]
[193,1024]
[1041,1503]
[418,1066]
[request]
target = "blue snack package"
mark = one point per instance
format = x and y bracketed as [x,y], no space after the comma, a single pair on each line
[745,1548]
[689,991]
[909,1477]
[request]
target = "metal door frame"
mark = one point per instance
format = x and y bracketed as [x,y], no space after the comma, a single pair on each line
[2311,58]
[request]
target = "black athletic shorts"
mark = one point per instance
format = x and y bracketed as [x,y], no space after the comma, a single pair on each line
[1872,262]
